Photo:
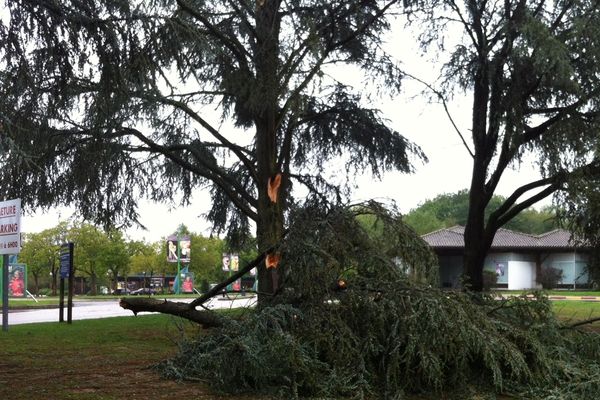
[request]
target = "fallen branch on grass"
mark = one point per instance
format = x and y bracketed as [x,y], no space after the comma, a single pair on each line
[580,323]
[188,311]
[206,318]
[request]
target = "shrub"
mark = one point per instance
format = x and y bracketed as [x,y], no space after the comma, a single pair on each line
[44,292]
[549,277]
[490,279]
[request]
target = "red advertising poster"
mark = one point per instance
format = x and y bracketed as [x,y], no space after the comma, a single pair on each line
[187,286]
[17,280]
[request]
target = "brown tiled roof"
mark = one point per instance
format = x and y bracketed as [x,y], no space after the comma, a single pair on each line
[557,238]
[505,239]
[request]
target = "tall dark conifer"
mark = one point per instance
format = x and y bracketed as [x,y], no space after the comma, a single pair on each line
[107,102]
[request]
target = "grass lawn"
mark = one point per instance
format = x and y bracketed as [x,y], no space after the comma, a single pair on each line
[574,311]
[43,302]
[110,359]
[15,304]
[93,360]
[564,292]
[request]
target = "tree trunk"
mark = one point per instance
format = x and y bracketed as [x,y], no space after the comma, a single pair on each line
[476,243]
[269,227]
[93,289]
[475,249]
[478,238]
[36,286]
[54,282]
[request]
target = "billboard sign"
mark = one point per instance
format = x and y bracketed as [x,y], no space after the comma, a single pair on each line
[178,249]
[10,226]
[226,262]
[235,262]
[187,286]
[172,249]
[184,249]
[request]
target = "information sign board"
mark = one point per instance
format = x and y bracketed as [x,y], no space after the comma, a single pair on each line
[10,226]
[66,253]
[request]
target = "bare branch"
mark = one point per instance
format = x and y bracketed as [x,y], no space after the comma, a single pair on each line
[445,105]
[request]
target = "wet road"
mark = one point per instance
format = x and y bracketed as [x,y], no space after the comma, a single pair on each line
[106,309]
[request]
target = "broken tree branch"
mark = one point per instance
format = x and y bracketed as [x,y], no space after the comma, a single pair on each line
[587,321]
[208,319]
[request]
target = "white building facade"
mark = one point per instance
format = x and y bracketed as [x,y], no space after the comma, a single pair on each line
[515,257]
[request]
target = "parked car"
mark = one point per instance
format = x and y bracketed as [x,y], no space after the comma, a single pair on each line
[143,291]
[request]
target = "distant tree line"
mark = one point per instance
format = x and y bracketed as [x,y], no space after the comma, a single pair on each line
[101,257]
[449,209]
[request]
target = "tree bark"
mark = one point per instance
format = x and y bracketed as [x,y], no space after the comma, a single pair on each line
[54,282]
[93,288]
[476,246]
[36,286]
[270,224]
[476,242]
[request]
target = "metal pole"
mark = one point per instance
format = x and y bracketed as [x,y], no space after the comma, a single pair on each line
[61,301]
[178,290]
[71,283]
[5,292]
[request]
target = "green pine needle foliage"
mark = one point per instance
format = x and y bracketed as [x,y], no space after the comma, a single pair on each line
[388,333]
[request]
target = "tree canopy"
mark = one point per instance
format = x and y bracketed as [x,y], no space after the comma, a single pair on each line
[449,209]
[40,251]
[107,102]
[530,70]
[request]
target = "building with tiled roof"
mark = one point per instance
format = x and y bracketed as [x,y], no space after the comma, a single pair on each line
[516,257]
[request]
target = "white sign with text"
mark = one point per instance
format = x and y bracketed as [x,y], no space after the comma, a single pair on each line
[10,226]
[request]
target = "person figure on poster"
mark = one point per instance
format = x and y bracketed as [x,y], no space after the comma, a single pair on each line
[172,251]
[185,250]
[188,285]
[499,270]
[225,262]
[16,286]
[235,262]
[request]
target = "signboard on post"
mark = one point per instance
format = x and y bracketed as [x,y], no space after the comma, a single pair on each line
[10,243]
[66,272]
[66,250]
[10,226]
